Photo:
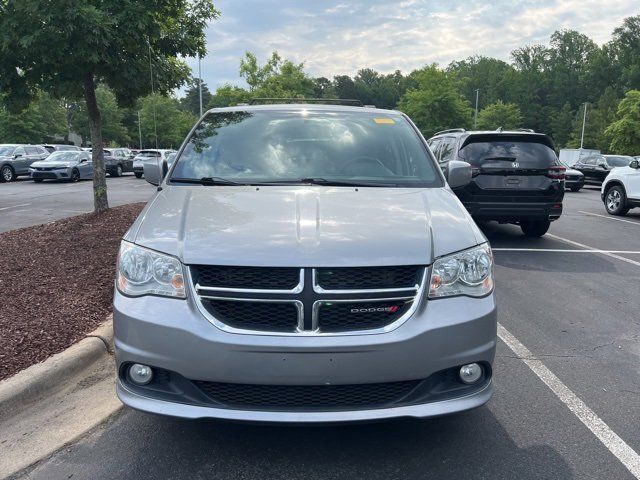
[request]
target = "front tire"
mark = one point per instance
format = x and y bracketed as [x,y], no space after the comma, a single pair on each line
[138,174]
[615,201]
[7,174]
[535,228]
[575,189]
[75,175]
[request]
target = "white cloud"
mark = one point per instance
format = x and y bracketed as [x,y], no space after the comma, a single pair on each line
[338,37]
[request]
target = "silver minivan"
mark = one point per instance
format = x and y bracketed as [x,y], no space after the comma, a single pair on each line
[305,263]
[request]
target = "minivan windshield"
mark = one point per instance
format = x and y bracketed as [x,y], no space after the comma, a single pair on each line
[306,146]
[504,152]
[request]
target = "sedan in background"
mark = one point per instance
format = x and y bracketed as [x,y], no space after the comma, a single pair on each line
[596,167]
[573,179]
[63,165]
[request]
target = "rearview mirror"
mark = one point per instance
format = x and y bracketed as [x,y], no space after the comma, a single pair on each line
[602,165]
[458,174]
[152,167]
[634,164]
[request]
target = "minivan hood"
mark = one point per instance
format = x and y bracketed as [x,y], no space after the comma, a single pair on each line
[304,226]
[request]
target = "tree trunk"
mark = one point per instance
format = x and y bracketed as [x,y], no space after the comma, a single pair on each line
[100,201]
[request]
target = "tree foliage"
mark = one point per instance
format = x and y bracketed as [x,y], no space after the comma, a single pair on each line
[42,120]
[499,114]
[112,115]
[163,118]
[625,131]
[435,103]
[79,43]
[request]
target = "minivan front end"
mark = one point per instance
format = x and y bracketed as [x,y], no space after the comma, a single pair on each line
[317,299]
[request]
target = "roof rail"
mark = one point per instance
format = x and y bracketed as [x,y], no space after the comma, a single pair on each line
[451,130]
[526,130]
[331,101]
[499,129]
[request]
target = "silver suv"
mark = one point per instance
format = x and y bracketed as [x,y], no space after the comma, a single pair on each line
[305,263]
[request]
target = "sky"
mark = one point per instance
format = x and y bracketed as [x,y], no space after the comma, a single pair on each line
[340,37]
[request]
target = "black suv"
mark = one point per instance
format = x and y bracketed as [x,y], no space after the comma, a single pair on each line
[517,177]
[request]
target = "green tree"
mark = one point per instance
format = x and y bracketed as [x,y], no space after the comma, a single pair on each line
[79,43]
[435,103]
[625,48]
[43,119]
[561,122]
[191,100]
[599,116]
[228,96]
[163,118]
[625,131]
[499,114]
[277,78]
[489,75]
[112,115]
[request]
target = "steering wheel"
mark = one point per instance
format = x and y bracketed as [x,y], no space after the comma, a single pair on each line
[363,159]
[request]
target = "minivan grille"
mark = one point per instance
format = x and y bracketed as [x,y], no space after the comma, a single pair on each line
[267,316]
[307,397]
[291,301]
[368,277]
[246,277]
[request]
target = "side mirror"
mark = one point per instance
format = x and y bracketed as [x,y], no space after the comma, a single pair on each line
[84,160]
[458,174]
[602,165]
[17,155]
[634,164]
[152,168]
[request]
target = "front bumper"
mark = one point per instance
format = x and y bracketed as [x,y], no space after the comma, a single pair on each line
[172,335]
[574,183]
[50,174]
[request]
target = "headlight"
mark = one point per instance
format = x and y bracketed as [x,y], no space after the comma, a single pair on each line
[464,273]
[144,272]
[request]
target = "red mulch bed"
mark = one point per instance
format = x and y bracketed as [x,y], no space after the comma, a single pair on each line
[56,282]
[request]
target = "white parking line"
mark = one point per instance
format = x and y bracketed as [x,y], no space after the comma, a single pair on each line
[587,247]
[563,250]
[610,218]
[15,206]
[610,439]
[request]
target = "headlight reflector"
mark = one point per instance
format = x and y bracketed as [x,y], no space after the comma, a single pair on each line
[469,272]
[145,272]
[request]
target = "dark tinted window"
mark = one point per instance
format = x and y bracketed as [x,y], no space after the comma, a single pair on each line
[503,152]
[290,145]
[618,161]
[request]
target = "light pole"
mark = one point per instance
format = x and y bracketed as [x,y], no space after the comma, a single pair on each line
[140,129]
[584,121]
[200,81]
[475,115]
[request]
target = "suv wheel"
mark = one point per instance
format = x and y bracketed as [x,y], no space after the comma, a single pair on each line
[535,228]
[615,201]
[7,174]
[75,175]
[138,174]
[575,189]
[118,171]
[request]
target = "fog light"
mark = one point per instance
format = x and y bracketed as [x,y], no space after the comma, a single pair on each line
[140,374]
[470,373]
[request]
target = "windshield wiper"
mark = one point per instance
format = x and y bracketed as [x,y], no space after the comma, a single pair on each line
[330,182]
[207,181]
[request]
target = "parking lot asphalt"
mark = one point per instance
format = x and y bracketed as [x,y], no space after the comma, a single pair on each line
[567,376]
[24,203]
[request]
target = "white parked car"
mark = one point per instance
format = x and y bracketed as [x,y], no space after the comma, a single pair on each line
[621,189]
[139,159]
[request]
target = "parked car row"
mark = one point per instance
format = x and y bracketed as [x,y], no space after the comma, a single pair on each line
[66,162]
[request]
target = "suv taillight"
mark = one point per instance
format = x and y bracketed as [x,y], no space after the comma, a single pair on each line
[556,173]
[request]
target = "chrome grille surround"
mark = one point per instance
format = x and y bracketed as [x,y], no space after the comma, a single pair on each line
[308,297]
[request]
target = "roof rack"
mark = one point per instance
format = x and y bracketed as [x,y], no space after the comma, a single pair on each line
[451,130]
[331,101]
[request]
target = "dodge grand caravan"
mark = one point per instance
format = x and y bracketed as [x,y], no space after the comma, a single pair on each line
[305,263]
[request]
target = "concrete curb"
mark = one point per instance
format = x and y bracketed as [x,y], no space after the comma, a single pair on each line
[51,376]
